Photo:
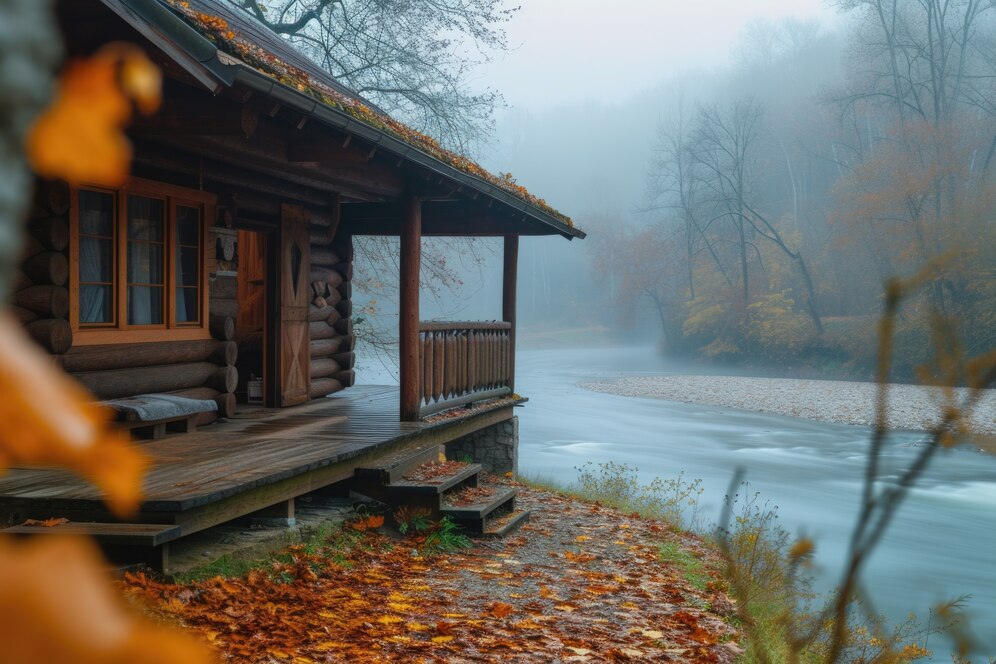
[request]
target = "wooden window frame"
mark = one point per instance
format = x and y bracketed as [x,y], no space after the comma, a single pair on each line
[120,331]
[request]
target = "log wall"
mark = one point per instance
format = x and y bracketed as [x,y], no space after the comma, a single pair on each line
[202,369]
[41,295]
[330,323]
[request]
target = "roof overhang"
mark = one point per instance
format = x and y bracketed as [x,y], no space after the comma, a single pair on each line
[216,70]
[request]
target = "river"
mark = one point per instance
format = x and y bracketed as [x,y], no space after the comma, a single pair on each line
[942,544]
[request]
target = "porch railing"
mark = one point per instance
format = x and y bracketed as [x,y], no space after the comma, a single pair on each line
[463,362]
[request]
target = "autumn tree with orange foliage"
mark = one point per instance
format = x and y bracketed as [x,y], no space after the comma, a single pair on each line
[56,602]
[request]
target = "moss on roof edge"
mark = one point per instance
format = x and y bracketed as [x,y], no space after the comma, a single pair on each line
[218,31]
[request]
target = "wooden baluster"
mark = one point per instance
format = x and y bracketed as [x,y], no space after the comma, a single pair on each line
[491,360]
[427,366]
[462,354]
[439,364]
[471,360]
[448,366]
[454,363]
[503,358]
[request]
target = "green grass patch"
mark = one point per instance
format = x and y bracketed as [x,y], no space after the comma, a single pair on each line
[692,568]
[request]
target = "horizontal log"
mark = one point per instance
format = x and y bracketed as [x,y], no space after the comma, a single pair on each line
[46,301]
[324,368]
[324,256]
[226,353]
[326,275]
[325,347]
[222,327]
[48,267]
[334,317]
[323,387]
[344,326]
[129,356]
[54,195]
[345,308]
[51,232]
[346,290]
[223,307]
[224,379]
[53,334]
[321,330]
[316,313]
[325,296]
[348,343]
[20,281]
[344,248]
[31,247]
[117,383]
[208,394]
[346,360]
[224,287]
[226,404]
[345,269]
[346,378]
[23,315]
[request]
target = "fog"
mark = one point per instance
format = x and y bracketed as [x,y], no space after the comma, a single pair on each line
[750,175]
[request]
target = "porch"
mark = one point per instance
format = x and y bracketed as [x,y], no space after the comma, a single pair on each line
[255,464]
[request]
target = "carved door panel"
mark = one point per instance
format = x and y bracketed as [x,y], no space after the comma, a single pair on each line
[293,266]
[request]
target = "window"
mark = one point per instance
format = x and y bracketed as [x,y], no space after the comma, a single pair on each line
[138,261]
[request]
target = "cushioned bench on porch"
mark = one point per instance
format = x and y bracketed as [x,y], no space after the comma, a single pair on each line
[159,411]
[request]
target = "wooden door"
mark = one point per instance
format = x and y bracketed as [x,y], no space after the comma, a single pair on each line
[251,294]
[293,267]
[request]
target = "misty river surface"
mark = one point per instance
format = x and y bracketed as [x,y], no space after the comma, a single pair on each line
[942,544]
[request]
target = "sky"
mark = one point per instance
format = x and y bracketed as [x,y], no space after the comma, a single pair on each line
[571,51]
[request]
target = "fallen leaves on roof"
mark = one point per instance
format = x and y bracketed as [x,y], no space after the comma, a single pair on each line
[224,37]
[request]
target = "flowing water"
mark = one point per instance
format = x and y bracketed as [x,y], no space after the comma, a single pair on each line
[942,544]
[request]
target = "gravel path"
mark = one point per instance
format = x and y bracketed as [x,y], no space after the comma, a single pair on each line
[842,402]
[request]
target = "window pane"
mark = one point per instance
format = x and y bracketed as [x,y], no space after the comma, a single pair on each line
[96,213]
[145,305]
[145,263]
[186,266]
[186,305]
[145,219]
[96,304]
[96,260]
[188,225]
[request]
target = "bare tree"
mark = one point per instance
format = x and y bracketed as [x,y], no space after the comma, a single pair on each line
[410,57]
[726,147]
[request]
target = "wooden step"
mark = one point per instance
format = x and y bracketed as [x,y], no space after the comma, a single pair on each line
[481,508]
[393,467]
[505,524]
[115,534]
[489,506]
[125,543]
[462,475]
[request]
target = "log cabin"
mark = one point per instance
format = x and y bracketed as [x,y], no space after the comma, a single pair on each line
[209,299]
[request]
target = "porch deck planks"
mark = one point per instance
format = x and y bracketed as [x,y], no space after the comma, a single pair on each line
[234,457]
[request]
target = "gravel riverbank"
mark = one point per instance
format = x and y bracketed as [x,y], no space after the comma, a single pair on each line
[911,407]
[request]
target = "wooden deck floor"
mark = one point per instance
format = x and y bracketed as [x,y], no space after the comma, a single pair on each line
[229,469]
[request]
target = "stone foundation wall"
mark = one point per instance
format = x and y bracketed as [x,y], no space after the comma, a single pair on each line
[495,447]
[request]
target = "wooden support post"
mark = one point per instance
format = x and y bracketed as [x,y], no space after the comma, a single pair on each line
[509,281]
[411,253]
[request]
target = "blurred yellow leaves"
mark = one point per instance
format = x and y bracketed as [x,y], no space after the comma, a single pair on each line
[80,138]
[56,606]
[49,420]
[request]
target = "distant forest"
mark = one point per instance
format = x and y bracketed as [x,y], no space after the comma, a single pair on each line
[782,195]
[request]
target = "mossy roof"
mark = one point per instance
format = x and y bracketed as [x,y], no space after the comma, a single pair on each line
[239,35]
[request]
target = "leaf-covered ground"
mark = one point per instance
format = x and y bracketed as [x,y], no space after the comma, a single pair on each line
[580,583]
